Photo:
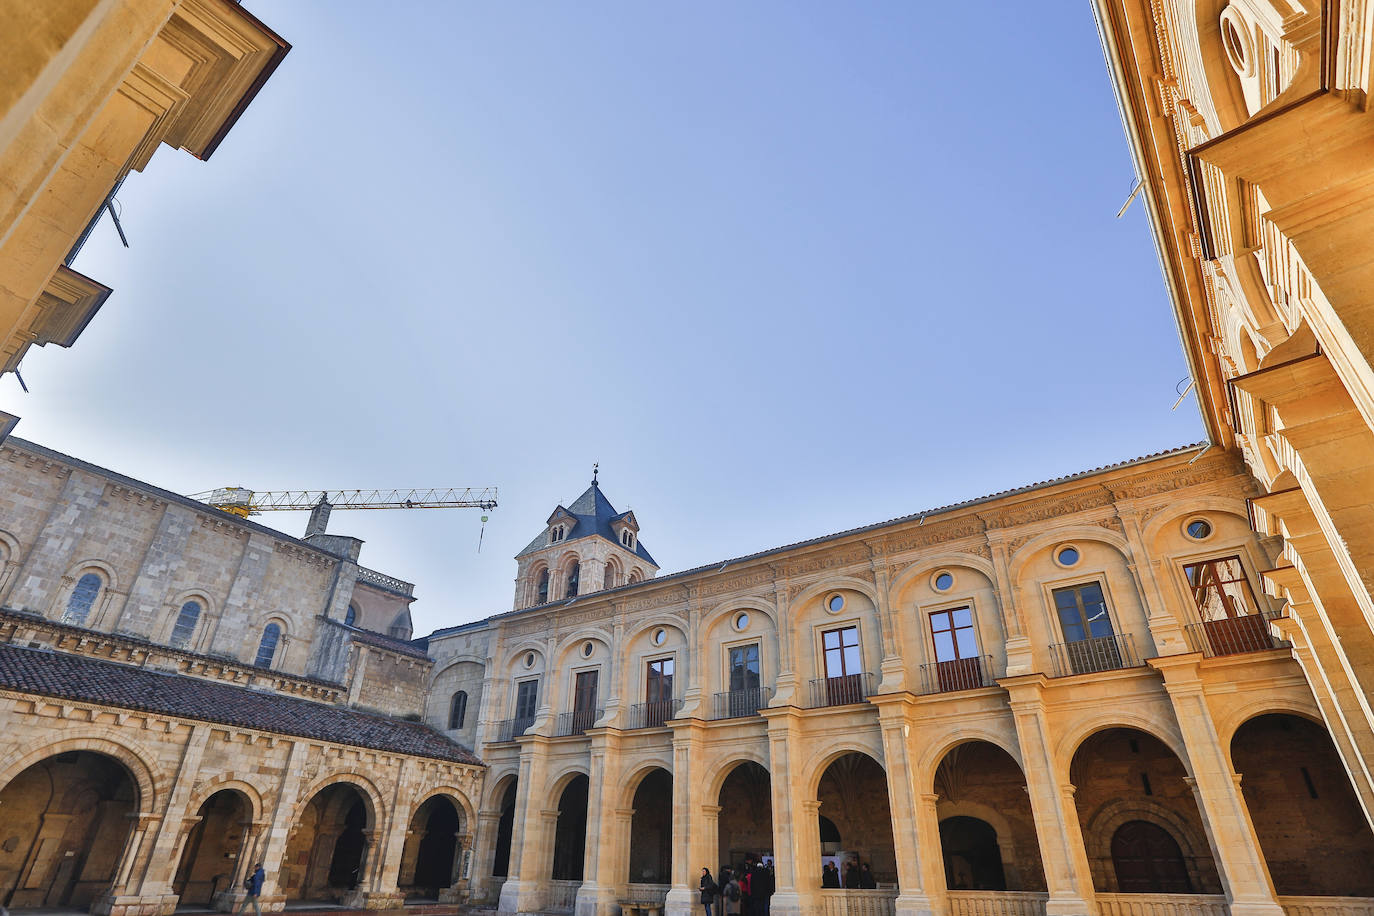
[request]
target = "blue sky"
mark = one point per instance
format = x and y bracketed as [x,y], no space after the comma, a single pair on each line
[781,268]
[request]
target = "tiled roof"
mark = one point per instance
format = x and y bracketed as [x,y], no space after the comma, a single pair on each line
[70,677]
[383,641]
[594,514]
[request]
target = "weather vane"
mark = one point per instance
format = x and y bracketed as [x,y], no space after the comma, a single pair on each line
[595,465]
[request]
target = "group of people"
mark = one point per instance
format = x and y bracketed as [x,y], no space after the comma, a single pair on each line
[742,891]
[856,876]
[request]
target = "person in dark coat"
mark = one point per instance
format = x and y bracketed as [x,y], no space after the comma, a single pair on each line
[866,879]
[253,885]
[709,890]
[830,875]
[851,876]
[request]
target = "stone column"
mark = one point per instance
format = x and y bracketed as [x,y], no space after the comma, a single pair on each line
[524,890]
[1165,629]
[787,690]
[796,842]
[687,826]
[484,852]
[597,895]
[1235,847]
[279,833]
[1067,874]
[155,881]
[1020,659]
[893,669]
[915,877]
[708,842]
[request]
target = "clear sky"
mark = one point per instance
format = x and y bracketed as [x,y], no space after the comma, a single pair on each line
[781,268]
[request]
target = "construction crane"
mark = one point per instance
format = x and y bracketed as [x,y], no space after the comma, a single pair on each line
[244,502]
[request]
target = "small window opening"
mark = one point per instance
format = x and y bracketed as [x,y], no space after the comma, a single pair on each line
[1145,783]
[1307,778]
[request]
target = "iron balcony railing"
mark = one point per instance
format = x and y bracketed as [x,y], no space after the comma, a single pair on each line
[653,714]
[957,674]
[576,722]
[1098,653]
[1233,635]
[842,690]
[510,729]
[733,704]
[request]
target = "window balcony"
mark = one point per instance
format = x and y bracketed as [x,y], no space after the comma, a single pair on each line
[576,722]
[841,691]
[654,714]
[1233,635]
[1097,653]
[957,674]
[735,704]
[510,729]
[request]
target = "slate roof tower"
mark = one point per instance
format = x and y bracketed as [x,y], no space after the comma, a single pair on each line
[585,547]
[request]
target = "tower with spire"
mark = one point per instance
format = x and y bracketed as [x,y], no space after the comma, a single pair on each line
[585,547]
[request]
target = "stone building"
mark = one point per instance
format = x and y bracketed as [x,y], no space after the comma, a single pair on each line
[1250,125]
[187,692]
[1064,699]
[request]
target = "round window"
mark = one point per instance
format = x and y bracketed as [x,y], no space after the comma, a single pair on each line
[1198,529]
[660,637]
[835,604]
[944,582]
[529,660]
[1067,556]
[587,649]
[742,621]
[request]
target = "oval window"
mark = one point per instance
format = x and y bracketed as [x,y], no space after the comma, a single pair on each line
[660,637]
[835,604]
[587,650]
[529,660]
[1068,556]
[742,621]
[944,582]
[1198,529]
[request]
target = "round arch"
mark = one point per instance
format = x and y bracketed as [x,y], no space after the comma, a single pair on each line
[465,658]
[454,795]
[643,768]
[666,621]
[496,789]
[1072,741]
[723,609]
[817,771]
[1233,720]
[227,781]
[835,583]
[372,798]
[925,567]
[554,786]
[76,570]
[1028,551]
[1103,824]
[137,761]
[1156,526]
[721,770]
[959,735]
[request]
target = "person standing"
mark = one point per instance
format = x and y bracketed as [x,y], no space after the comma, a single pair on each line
[253,885]
[830,875]
[730,893]
[851,876]
[866,878]
[709,890]
[746,886]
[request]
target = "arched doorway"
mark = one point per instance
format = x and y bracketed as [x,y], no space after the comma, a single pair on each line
[70,818]
[570,833]
[1148,860]
[987,831]
[651,830]
[1123,775]
[745,822]
[505,831]
[853,797]
[1301,801]
[214,850]
[327,852]
[429,859]
[973,861]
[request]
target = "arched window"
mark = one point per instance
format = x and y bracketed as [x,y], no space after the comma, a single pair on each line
[611,577]
[634,577]
[458,710]
[185,626]
[543,587]
[271,635]
[574,576]
[1148,860]
[83,598]
[351,615]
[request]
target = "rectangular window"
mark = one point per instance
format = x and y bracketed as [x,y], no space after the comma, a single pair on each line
[658,706]
[957,663]
[745,696]
[844,677]
[1090,642]
[526,700]
[1231,621]
[584,701]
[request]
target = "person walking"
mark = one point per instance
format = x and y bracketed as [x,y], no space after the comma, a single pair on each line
[253,885]
[730,892]
[709,890]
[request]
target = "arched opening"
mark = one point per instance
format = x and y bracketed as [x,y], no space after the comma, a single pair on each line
[570,833]
[430,855]
[327,852]
[574,579]
[458,710]
[70,819]
[82,598]
[853,796]
[1124,775]
[745,822]
[987,830]
[214,850]
[542,595]
[1301,802]
[505,829]
[267,647]
[1148,860]
[185,626]
[973,860]
[651,830]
